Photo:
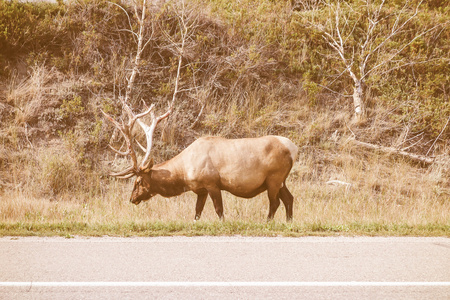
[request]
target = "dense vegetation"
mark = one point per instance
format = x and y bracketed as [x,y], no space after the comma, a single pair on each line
[250,68]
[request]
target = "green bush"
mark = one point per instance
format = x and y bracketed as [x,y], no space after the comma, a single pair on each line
[57,174]
[27,27]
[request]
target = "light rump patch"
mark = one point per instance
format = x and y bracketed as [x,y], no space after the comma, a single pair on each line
[293,149]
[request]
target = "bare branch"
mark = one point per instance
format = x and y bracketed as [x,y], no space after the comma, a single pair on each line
[125,128]
[333,91]
[149,130]
[411,64]
[129,20]
[397,52]
[373,22]
[198,117]
[391,150]
[413,144]
[445,126]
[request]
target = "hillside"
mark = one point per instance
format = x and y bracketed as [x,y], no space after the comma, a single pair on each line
[292,68]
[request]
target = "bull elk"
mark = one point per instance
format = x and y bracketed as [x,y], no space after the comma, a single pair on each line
[244,167]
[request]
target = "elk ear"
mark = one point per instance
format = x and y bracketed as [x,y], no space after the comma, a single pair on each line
[148,166]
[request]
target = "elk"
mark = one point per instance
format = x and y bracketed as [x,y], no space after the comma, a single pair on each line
[243,167]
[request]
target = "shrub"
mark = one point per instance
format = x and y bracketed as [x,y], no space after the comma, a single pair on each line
[58,173]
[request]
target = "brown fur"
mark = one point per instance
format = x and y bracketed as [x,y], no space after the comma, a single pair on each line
[243,167]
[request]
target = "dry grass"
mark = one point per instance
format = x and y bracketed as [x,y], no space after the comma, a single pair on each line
[385,197]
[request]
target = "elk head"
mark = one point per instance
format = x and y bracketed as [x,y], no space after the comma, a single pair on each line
[142,171]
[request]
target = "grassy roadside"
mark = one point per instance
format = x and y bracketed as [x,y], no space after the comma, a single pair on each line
[392,199]
[226,228]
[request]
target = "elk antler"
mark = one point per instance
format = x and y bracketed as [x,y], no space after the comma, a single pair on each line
[149,130]
[125,130]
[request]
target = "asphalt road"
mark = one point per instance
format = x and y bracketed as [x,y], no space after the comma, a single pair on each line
[225,268]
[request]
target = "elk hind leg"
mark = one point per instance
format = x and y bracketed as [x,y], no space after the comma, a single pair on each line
[288,201]
[274,200]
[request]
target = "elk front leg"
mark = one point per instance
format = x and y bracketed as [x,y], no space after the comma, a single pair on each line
[201,199]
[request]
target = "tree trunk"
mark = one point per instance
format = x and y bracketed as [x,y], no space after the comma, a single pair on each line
[358,100]
[358,95]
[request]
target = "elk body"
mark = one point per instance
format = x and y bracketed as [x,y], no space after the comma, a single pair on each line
[244,167]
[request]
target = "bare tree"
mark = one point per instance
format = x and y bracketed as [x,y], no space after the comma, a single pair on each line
[143,36]
[357,39]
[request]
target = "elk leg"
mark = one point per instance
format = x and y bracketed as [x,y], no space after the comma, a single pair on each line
[288,201]
[201,199]
[274,202]
[216,197]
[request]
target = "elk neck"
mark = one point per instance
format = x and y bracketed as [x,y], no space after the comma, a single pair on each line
[166,181]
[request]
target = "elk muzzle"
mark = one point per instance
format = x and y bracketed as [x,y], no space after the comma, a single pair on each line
[135,201]
[138,196]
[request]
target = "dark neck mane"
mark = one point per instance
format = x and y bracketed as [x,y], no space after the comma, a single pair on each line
[166,183]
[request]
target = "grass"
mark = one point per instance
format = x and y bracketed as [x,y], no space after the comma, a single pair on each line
[398,200]
[227,228]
